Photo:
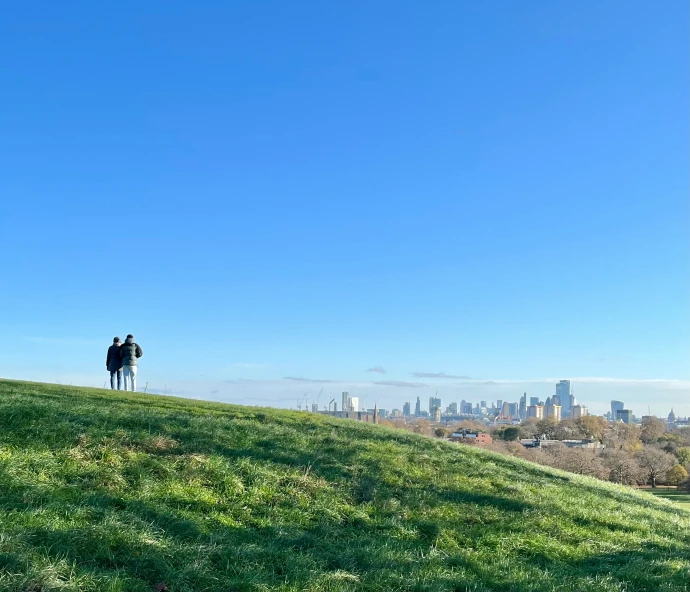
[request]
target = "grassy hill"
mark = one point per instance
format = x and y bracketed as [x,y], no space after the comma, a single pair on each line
[114,492]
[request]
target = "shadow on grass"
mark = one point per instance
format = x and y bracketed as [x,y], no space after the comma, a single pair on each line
[190,543]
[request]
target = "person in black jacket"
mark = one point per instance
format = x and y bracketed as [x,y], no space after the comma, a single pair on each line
[130,352]
[113,363]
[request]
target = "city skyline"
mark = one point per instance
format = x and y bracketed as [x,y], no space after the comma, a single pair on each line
[595,392]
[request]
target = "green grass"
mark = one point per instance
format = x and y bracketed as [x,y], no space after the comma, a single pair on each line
[116,492]
[679,497]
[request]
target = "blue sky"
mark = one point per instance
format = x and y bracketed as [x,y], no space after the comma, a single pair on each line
[309,190]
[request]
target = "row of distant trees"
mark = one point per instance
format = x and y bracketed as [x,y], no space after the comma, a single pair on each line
[634,454]
[645,454]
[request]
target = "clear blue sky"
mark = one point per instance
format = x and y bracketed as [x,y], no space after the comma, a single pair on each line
[260,190]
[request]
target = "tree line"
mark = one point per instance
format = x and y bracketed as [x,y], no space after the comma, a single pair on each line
[633,454]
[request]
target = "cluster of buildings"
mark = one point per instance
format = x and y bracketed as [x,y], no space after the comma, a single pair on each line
[561,405]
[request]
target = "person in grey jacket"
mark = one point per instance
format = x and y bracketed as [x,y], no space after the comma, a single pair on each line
[113,363]
[130,352]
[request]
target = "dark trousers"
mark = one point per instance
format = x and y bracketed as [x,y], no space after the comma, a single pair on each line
[119,379]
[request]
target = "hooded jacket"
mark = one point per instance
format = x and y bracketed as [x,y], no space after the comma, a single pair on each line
[130,352]
[113,361]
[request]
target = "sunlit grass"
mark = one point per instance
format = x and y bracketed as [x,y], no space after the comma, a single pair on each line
[673,494]
[119,492]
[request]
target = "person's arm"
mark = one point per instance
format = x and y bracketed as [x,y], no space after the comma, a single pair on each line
[107,359]
[139,352]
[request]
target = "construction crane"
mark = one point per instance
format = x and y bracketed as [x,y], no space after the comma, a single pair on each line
[300,402]
[329,404]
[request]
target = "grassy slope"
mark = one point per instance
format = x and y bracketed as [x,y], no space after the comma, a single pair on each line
[114,492]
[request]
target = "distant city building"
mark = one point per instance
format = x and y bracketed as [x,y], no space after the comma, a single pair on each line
[572,402]
[578,411]
[483,404]
[554,411]
[534,401]
[418,408]
[624,415]
[314,407]
[539,443]
[347,402]
[472,437]
[522,410]
[499,404]
[671,417]
[536,411]
[434,404]
[465,407]
[354,401]
[437,414]
[452,409]
[406,409]
[615,407]
[563,392]
[510,410]
[396,413]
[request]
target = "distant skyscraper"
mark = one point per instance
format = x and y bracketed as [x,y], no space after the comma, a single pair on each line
[624,415]
[354,404]
[615,406]
[483,404]
[554,411]
[499,404]
[522,410]
[578,411]
[434,403]
[563,392]
[314,407]
[536,411]
[418,408]
[571,403]
[452,409]
[534,400]
[347,401]
[406,409]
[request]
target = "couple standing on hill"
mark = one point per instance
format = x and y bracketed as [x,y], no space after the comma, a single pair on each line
[123,357]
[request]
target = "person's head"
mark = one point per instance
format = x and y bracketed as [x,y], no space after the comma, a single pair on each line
[130,336]
[116,340]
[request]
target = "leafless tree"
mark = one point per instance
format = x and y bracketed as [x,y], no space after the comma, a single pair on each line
[583,461]
[656,464]
[622,466]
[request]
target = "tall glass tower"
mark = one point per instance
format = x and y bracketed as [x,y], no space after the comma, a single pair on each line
[563,393]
